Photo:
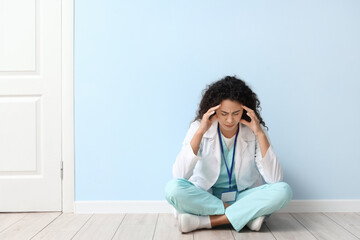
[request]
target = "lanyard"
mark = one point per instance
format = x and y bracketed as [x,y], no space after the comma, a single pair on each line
[222,154]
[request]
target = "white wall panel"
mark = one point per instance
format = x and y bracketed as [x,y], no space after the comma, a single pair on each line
[18,35]
[19,126]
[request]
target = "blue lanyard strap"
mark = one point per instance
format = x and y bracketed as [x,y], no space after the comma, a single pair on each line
[233,157]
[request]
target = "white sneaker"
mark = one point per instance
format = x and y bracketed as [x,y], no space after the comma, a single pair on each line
[256,223]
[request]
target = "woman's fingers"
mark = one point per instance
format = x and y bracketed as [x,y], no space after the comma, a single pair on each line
[208,114]
[211,111]
[254,124]
[247,109]
[213,118]
[214,108]
[252,115]
[206,120]
[243,121]
[250,112]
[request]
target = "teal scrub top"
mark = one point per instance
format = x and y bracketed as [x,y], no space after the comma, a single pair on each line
[222,182]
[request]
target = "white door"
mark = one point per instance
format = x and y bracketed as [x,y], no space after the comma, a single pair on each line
[30,105]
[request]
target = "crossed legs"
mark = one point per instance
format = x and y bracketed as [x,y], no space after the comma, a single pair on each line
[250,204]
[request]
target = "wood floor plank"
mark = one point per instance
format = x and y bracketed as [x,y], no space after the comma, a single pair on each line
[219,233]
[322,227]
[64,227]
[140,218]
[247,234]
[28,226]
[7,219]
[54,225]
[137,227]
[100,226]
[349,221]
[167,228]
[284,227]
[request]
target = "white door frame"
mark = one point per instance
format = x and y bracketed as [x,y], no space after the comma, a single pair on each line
[67,84]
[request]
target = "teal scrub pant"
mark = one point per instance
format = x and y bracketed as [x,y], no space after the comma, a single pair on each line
[249,204]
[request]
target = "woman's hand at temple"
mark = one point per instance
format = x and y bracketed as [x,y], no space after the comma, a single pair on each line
[254,124]
[205,124]
[206,121]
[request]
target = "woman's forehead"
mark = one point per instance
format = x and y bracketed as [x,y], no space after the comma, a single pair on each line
[230,104]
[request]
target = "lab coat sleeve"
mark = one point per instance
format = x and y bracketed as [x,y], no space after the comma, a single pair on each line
[268,166]
[186,159]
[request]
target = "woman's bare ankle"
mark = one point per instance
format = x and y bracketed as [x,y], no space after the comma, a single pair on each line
[217,220]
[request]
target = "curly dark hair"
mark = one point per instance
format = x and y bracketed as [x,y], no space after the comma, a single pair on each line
[231,88]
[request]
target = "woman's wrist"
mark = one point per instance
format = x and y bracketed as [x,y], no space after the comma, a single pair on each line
[260,133]
[200,132]
[196,140]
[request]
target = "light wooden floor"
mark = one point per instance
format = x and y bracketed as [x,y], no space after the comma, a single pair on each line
[56,225]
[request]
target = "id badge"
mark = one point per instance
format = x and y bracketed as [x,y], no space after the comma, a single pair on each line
[229,196]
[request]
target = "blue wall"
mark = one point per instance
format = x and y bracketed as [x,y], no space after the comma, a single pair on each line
[140,67]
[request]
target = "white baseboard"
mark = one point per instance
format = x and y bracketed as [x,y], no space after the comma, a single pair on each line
[164,207]
[338,205]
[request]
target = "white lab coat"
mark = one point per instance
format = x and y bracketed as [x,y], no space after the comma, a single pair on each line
[203,169]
